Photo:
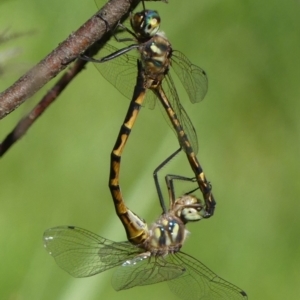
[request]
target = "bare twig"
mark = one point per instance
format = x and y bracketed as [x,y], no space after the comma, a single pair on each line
[66,52]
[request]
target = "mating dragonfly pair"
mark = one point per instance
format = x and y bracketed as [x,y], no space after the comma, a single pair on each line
[152,254]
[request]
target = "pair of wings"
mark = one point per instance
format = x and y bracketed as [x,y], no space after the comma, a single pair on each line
[83,253]
[121,72]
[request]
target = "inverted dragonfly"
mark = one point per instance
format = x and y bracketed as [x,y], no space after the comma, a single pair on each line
[152,255]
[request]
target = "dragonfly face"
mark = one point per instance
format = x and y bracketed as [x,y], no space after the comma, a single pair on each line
[188,208]
[145,24]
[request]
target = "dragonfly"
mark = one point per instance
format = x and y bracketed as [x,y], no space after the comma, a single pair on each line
[156,56]
[154,257]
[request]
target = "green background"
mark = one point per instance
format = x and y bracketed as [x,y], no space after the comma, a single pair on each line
[248,132]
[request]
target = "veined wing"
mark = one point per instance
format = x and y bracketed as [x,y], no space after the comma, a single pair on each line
[83,253]
[193,78]
[199,282]
[185,121]
[121,72]
[144,270]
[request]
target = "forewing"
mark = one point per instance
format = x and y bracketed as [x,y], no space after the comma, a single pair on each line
[193,78]
[83,253]
[121,72]
[144,270]
[199,282]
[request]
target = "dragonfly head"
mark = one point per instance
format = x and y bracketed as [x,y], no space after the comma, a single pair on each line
[166,235]
[189,209]
[145,23]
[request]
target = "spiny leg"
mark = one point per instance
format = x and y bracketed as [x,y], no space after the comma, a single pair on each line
[160,196]
[169,178]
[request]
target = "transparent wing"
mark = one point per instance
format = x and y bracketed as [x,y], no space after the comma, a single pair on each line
[121,72]
[83,253]
[186,123]
[199,282]
[193,78]
[144,270]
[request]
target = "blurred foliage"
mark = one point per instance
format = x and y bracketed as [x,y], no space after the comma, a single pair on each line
[247,128]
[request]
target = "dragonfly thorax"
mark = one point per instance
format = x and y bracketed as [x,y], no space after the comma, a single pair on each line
[166,235]
[145,24]
[156,58]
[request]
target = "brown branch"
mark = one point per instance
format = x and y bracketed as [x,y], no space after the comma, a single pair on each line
[66,52]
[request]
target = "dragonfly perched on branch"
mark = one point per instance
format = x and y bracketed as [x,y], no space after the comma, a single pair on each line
[157,57]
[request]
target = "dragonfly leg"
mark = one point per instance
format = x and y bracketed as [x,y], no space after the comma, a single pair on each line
[100,16]
[124,28]
[169,178]
[110,56]
[166,161]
